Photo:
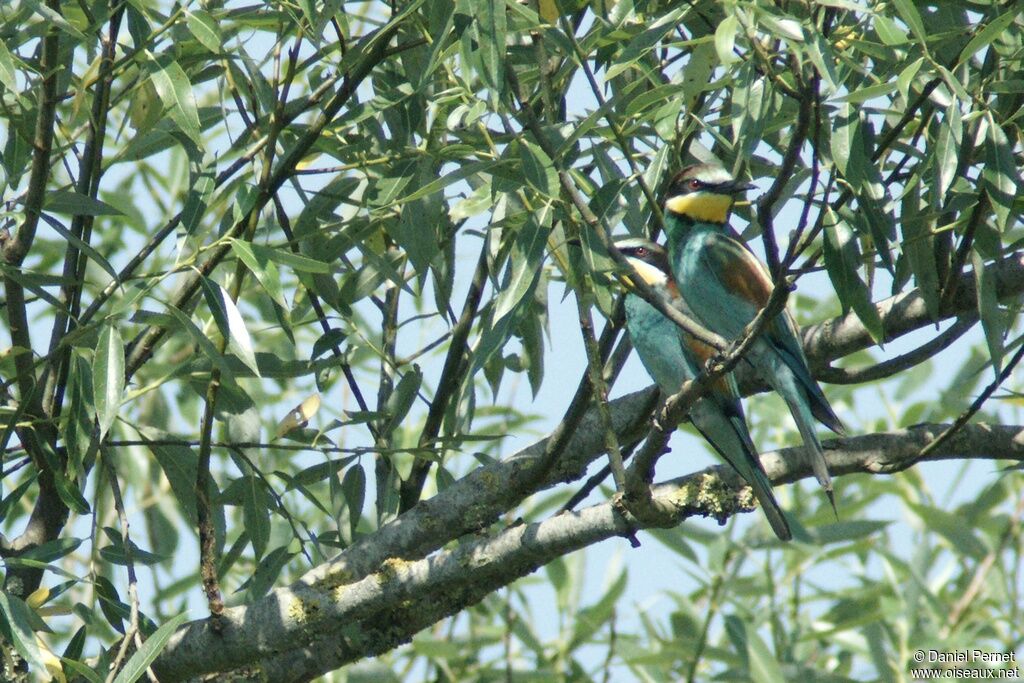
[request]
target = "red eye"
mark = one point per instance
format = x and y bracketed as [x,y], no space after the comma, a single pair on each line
[694,184]
[641,251]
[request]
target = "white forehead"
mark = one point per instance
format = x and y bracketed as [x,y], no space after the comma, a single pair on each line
[715,175]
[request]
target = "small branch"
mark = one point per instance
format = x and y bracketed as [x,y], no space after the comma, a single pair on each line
[766,202]
[132,633]
[204,514]
[321,315]
[594,371]
[452,375]
[892,366]
[961,421]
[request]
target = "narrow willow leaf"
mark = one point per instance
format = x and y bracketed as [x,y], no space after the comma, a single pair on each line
[725,39]
[256,513]
[524,262]
[16,619]
[81,245]
[353,488]
[918,246]
[988,311]
[108,377]
[844,133]
[947,151]
[135,668]
[7,68]
[641,46]
[75,204]
[263,269]
[999,173]
[175,91]
[402,398]
[538,169]
[204,27]
[842,260]
[491,27]
[908,12]
[230,322]
[764,667]
[302,264]
[988,34]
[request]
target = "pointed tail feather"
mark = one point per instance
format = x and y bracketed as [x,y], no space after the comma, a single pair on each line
[729,436]
[802,413]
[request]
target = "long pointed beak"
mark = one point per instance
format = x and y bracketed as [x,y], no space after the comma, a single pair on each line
[737,186]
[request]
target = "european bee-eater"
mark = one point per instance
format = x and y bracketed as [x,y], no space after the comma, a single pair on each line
[724,284]
[671,357]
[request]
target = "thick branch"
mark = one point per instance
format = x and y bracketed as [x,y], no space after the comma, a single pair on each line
[313,627]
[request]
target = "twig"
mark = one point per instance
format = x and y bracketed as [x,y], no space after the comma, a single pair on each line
[962,420]
[132,633]
[452,376]
[872,373]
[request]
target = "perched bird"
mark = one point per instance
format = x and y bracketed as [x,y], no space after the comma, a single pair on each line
[671,357]
[725,285]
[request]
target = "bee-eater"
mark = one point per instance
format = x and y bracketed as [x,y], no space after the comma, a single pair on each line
[671,357]
[725,285]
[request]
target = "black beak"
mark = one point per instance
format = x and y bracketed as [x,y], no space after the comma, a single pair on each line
[574,241]
[737,186]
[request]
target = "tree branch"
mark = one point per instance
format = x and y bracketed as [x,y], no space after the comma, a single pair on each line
[315,626]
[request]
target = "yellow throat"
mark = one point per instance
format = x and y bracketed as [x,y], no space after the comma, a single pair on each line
[703,207]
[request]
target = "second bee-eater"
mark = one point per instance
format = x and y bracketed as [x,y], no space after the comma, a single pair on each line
[671,357]
[725,286]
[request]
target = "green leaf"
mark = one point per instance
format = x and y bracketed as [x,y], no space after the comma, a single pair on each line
[16,625]
[999,175]
[525,262]
[179,465]
[402,398]
[918,247]
[230,323]
[908,12]
[319,472]
[256,513]
[81,245]
[135,668]
[538,169]
[764,667]
[353,489]
[54,18]
[491,29]
[988,310]
[283,257]
[725,39]
[204,27]
[75,204]
[954,528]
[266,573]
[844,136]
[117,554]
[108,377]
[175,91]
[7,68]
[640,47]
[987,35]
[262,268]
[842,260]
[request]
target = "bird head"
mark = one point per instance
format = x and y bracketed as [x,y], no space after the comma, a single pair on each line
[704,192]
[649,261]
